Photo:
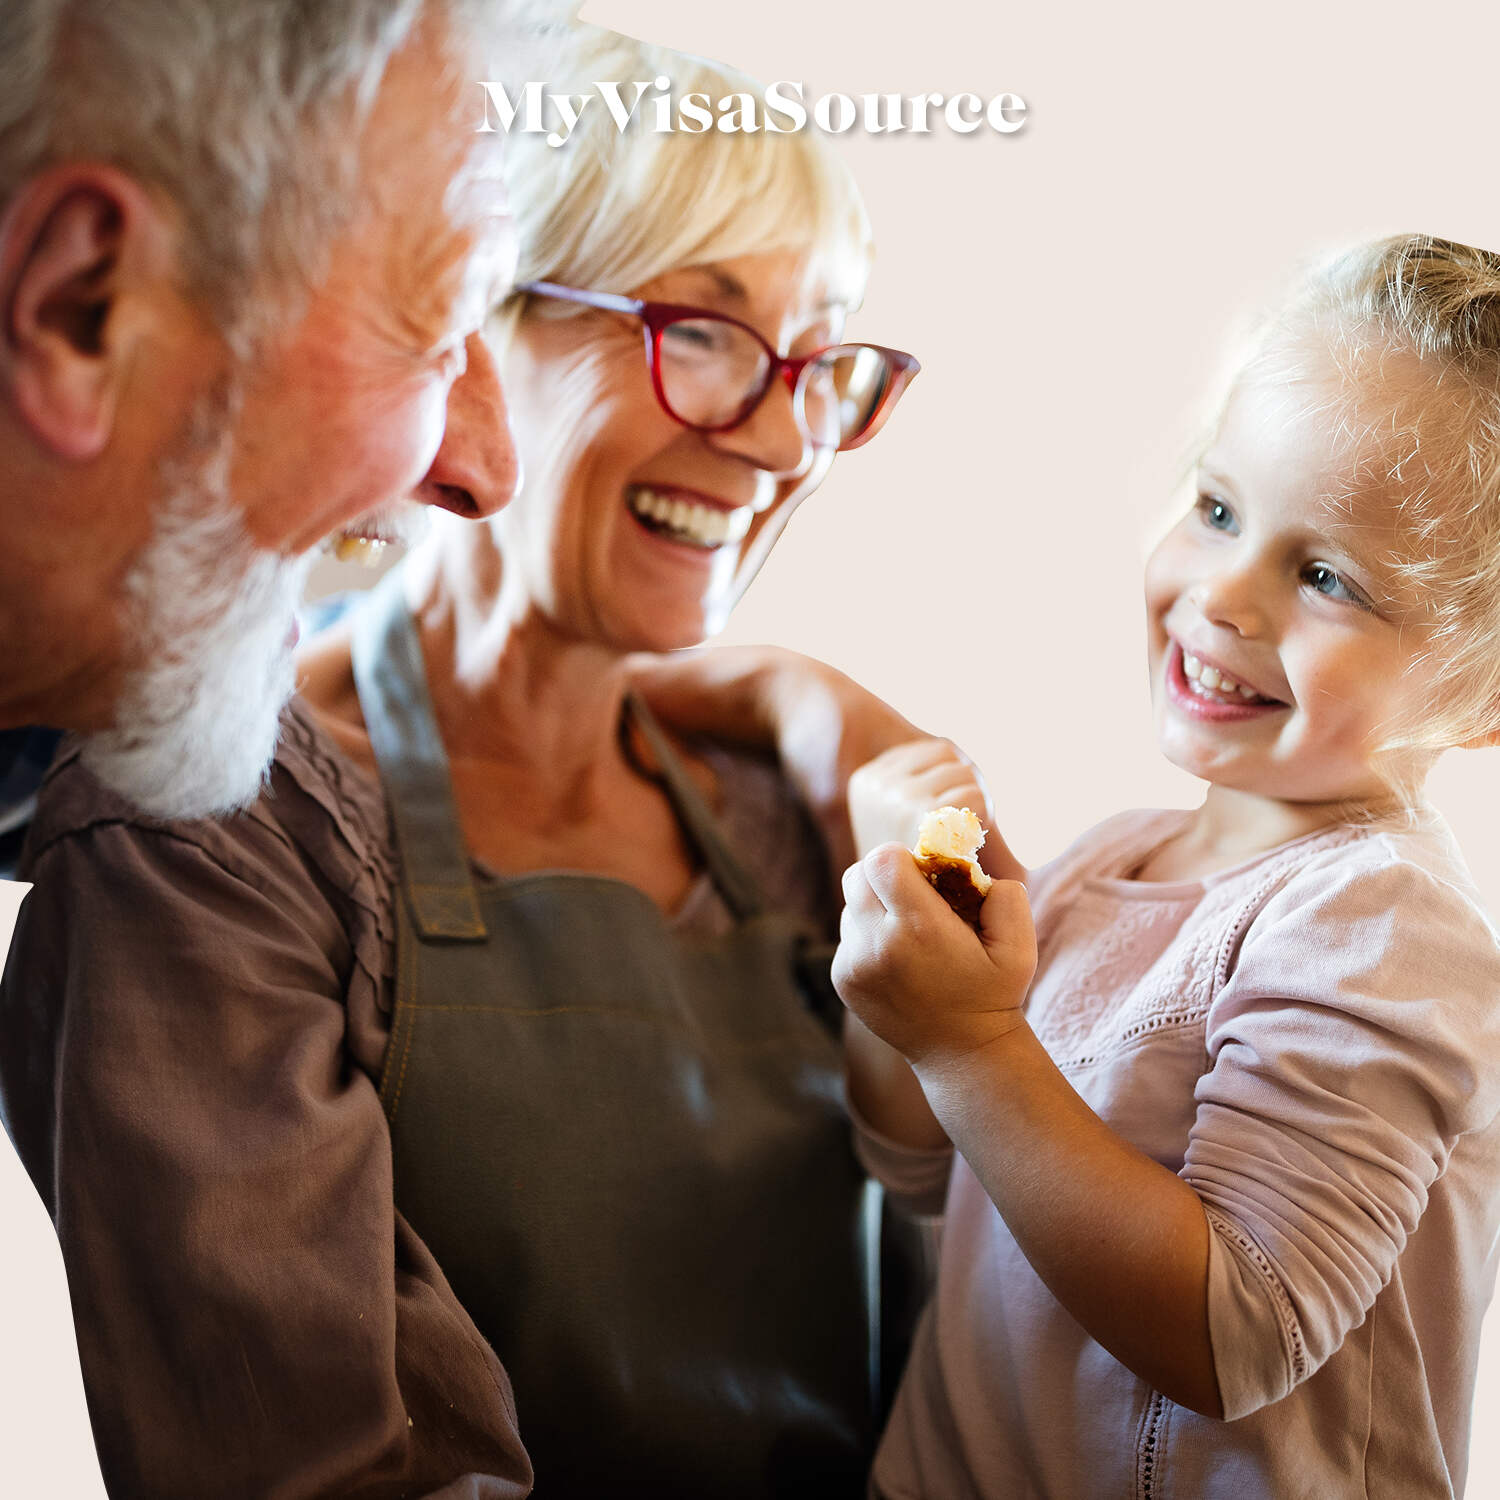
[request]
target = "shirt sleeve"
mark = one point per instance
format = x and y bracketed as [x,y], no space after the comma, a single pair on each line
[1353,1043]
[254,1318]
[916,1177]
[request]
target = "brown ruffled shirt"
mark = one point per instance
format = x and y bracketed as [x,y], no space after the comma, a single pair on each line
[192,1023]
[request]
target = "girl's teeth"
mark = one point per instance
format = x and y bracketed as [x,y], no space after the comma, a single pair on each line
[705,525]
[1212,679]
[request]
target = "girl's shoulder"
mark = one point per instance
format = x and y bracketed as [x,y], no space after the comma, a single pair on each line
[1409,866]
[1370,958]
[1387,912]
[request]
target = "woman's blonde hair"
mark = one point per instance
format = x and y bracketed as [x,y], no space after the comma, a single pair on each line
[610,210]
[1412,325]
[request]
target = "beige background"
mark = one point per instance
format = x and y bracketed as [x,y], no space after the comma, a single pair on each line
[1070,291]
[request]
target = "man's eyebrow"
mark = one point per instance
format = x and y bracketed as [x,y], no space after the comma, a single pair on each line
[440,257]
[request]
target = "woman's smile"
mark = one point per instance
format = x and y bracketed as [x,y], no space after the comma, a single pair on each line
[687,518]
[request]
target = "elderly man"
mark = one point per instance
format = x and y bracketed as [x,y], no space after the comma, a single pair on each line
[245,251]
[232,322]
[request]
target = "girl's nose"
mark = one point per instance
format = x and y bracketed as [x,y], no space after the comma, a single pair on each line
[1233,598]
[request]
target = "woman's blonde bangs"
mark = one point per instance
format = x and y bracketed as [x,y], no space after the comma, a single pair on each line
[612,210]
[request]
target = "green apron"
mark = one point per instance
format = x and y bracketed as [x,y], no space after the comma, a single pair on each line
[626,1146]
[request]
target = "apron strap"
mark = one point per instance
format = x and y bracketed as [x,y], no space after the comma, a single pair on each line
[392,686]
[739,888]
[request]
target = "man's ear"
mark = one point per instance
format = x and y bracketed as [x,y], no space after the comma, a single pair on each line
[78,245]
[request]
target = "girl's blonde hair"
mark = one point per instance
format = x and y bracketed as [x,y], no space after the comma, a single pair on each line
[610,210]
[1412,324]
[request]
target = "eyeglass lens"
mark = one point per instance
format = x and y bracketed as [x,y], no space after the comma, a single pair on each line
[712,371]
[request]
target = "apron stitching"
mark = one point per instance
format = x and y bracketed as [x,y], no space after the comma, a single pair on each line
[398,1005]
[411,1027]
[409,1019]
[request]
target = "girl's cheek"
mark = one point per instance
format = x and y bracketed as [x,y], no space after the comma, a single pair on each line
[1164,582]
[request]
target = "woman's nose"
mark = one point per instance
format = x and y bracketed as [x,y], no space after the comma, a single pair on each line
[477,470]
[771,438]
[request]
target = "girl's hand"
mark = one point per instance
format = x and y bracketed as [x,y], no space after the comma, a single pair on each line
[890,795]
[916,974]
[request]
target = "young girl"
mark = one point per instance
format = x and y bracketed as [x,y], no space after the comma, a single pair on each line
[1224,1214]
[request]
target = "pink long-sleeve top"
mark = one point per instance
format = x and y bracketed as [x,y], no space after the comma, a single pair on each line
[1312,1040]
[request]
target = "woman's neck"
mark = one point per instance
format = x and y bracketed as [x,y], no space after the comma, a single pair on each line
[510,689]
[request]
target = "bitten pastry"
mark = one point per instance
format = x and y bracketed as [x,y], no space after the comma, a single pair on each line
[947,843]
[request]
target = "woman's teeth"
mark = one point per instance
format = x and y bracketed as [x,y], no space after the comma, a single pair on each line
[1210,682]
[704,526]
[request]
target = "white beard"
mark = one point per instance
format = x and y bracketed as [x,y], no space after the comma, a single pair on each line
[209,615]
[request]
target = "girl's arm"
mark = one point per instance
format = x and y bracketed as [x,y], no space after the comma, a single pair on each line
[1119,1240]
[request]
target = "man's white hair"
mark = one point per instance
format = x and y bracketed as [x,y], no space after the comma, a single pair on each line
[245,113]
[210,614]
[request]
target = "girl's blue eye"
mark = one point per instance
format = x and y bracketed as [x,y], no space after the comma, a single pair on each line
[1216,514]
[1322,579]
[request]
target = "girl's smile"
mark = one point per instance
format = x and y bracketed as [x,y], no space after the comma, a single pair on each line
[1203,690]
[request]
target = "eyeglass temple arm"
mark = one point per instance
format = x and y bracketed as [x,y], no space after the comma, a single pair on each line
[610,301]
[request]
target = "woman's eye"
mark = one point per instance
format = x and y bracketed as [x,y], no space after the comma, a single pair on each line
[1322,579]
[693,337]
[1216,514]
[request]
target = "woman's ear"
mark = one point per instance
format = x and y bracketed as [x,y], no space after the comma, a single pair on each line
[79,246]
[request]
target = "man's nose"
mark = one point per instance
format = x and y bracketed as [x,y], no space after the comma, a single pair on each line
[477,470]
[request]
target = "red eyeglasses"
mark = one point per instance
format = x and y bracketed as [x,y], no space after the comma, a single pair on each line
[711,371]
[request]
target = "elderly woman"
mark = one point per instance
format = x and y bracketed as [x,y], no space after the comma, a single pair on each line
[613,1083]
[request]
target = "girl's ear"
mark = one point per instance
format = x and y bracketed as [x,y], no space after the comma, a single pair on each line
[1481,741]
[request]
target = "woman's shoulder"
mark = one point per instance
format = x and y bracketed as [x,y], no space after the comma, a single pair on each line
[770,831]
